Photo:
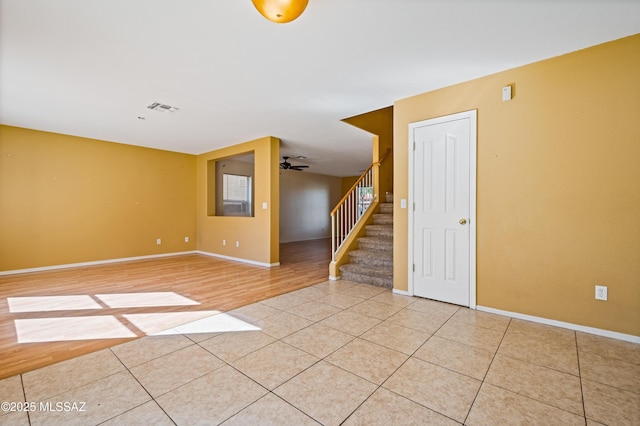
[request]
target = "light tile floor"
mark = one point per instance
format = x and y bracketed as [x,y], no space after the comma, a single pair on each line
[342,353]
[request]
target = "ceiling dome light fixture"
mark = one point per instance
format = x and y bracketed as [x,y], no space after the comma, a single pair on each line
[280,11]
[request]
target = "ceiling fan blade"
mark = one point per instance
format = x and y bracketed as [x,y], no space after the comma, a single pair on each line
[286,165]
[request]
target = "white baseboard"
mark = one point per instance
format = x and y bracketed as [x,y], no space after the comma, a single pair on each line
[570,326]
[401,292]
[93,263]
[238,259]
[332,278]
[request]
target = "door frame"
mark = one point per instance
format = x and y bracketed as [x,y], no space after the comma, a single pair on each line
[472,115]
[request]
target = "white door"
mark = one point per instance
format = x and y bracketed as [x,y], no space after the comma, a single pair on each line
[443,216]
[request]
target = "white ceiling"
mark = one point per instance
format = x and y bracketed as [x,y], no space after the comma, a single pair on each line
[89,67]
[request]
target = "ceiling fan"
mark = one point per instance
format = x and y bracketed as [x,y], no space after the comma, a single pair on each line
[288,166]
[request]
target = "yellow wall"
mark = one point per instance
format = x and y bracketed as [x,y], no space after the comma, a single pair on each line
[347,183]
[258,235]
[65,199]
[379,123]
[558,185]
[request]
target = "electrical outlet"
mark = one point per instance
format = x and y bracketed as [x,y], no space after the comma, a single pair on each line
[186,239]
[601,292]
[224,242]
[159,241]
[237,243]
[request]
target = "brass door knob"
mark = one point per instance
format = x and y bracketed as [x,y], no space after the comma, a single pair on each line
[463,221]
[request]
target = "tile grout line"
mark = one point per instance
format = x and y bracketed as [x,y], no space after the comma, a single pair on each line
[290,404]
[75,387]
[270,391]
[412,355]
[145,389]
[379,386]
[527,396]
[350,372]
[487,372]
[481,381]
[318,358]
[24,396]
[553,368]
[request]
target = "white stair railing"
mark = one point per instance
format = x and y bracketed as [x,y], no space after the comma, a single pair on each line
[353,206]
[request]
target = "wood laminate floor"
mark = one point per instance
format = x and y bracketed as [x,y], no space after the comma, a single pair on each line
[47,317]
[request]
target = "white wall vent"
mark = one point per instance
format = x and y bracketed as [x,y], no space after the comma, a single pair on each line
[157,106]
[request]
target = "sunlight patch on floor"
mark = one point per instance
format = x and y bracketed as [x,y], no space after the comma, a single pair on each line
[51,303]
[70,328]
[157,322]
[31,330]
[220,323]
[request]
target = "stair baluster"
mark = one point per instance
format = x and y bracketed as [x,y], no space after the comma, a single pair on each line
[345,222]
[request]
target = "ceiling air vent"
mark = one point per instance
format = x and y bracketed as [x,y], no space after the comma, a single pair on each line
[157,106]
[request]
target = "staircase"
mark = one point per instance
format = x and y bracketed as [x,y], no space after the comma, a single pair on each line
[372,263]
